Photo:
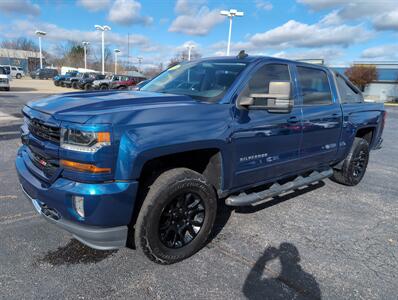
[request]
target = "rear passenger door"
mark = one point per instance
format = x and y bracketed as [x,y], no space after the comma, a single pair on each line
[322,117]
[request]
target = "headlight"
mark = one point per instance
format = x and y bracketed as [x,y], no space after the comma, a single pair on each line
[84,141]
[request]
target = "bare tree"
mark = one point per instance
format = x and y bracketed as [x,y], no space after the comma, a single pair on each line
[361,75]
[20,43]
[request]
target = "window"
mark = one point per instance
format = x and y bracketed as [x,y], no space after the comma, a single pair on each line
[260,81]
[314,85]
[347,93]
[207,80]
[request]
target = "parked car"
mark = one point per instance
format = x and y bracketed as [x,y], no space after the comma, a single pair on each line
[17,72]
[104,84]
[58,79]
[139,85]
[150,167]
[45,73]
[73,81]
[4,79]
[125,82]
[86,82]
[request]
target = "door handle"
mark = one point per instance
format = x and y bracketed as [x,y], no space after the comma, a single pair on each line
[293,120]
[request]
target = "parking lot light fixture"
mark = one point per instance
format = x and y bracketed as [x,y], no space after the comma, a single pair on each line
[139,58]
[117,51]
[40,33]
[230,14]
[103,29]
[190,46]
[85,44]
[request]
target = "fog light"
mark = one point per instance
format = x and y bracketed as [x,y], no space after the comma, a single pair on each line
[78,202]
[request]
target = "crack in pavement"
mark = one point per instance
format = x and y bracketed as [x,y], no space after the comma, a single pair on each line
[18,217]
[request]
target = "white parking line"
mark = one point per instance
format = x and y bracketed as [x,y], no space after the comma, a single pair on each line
[7,118]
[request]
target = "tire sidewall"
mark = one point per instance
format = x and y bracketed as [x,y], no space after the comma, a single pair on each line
[359,144]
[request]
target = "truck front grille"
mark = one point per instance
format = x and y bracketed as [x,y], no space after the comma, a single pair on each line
[44,131]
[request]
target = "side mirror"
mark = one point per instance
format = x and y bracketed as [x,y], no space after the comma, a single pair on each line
[277,100]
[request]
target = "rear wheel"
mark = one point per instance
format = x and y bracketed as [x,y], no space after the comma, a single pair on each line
[354,165]
[121,88]
[103,87]
[87,86]
[176,217]
[75,85]
[18,76]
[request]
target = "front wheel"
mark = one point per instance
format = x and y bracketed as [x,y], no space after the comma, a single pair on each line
[354,165]
[176,217]
[75,85]
[18,76]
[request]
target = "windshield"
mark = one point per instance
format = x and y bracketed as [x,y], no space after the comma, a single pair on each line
[205,80]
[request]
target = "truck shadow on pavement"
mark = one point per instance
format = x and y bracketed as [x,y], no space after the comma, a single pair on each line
[292,281]
[73,253]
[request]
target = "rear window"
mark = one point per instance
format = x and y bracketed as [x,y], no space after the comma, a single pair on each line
[346,92]
[314,84]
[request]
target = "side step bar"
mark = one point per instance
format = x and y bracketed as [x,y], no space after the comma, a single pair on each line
[254,198]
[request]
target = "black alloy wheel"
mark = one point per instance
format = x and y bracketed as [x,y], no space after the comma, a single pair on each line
[181,220]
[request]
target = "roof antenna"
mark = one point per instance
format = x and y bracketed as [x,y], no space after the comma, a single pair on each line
[242,54]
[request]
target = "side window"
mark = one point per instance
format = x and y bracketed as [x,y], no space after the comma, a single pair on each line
[260,81]
[315,87]
[347,94]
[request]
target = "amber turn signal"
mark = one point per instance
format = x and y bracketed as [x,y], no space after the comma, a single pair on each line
[103,137]
[83,167]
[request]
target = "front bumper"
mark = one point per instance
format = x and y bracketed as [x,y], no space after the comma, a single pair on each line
[101,238]
[108,206]
[4,85]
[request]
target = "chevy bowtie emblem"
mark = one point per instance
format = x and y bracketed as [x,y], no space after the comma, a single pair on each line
[43,162]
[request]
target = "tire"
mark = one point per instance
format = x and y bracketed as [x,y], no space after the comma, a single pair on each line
[164,206]
[121,88]
[103,87]
[75,85]
[18,76]
[56,83]
[354,165]
[87,86]
[7,89]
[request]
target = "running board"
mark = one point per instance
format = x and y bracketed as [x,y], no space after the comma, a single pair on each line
[276,189]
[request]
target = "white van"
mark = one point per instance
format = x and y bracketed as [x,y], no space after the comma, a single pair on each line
[17,72]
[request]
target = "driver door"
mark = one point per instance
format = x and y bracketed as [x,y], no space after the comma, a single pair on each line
[266,144]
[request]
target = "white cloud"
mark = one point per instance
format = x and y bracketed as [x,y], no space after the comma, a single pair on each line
[301,35]
[188,7]
[332,18]
[194,18]
[384,52]
[94,5]
[265,5]
[383,14]
[321,4]
[25,7]
[387,21]
[127,12]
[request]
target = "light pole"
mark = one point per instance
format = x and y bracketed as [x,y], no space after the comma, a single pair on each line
[40,34]
[85,44]
[103,29]
[230,14]
[140,58]
[116,52]
[189,46]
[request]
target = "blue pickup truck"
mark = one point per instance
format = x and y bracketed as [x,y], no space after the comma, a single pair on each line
[149,168]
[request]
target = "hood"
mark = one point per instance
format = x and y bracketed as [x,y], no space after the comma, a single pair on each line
[80,107]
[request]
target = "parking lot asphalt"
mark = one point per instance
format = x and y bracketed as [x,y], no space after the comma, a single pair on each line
[327,241]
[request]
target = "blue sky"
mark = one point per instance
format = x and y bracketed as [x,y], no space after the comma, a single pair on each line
[336,30]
